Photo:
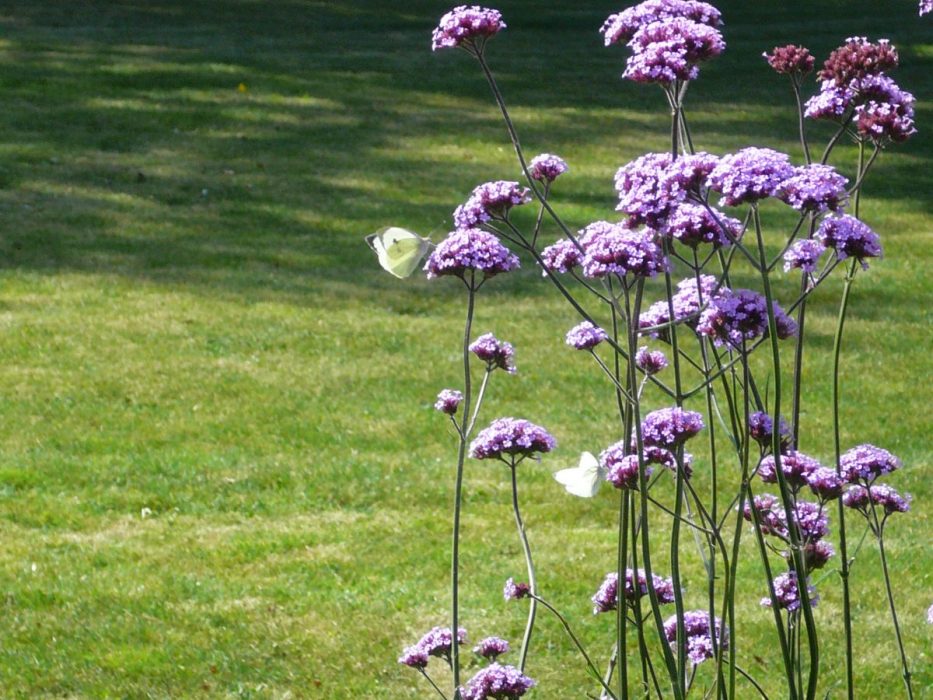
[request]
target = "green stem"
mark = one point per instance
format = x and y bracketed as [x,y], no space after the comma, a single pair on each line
[431,681]
[533,606]
[897,627]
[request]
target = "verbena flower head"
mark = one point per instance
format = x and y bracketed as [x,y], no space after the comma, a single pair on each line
[622,26]
[515,591]
[636,586]
[670,49]
[491,200]
[796,467]
[803,255]
[670,427]
[814,188]
[882,495]
[825,483]
[693,224]
[687,301]
[926,6]
[888,118]
[448,401]
[816,554]
[866,463]
[492,647]
[470,249]
[622,251]
[562,256]
[414,657]
[699,636]
[650,186]
[466,25]
[831,102]
[858,58]
[496,682]
[511,436]
[585,336]
[850,238]
[787,593]
[497,354]
[664,457]
[546,167]
[790,60]
[811,519]
[436,642]
[761,427]
[621,469]
[740,316]
[750,175]
[650,361]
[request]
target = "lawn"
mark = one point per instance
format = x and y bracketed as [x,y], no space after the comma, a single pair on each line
[221,474]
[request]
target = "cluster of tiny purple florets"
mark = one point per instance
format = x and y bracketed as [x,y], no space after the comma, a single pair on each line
[636,586]
[497,682]
[790,60]
[497,354]
[436,642]
[749,175]
[814,188]
[621,468]
[861,466]
[515,590]
[695,224]
[737,316]
[465,25]
[803,255]
[651,186]
[546,167]
[787,592]
[448,401]
[761,429]
[863,497]
[650,361]
[699,637]
[511,436]
[491,200]
[621,27]
[491,648]
[850,238]
[801,470]
[470,249]
[670,427]
[608,249]
[810,519]
[690,297]
[585,336]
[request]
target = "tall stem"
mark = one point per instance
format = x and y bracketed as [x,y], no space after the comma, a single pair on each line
[897,627]
[533,607]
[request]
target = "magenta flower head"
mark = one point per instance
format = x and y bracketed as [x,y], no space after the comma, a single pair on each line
[491,200]
[515,591]
[787,592]
[887,121]
[700,637]
[585,336]
[761,427]
[750,175]
[511,436]
[803,255]
[636,586]
[491,648]
[861,498]
[814,188]
[497,682]
[790,60]
[546,167]
[470,249]
[858,58]
[497,354]
[850,238]
[467,26]
[865,463]
[796,467]
[650,361]
[670,49]
[448,401]
[621,469]
[621,27]
[670,427]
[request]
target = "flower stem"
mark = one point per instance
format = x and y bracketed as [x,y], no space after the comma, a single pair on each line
[533,607]
[433,684]
[897,627]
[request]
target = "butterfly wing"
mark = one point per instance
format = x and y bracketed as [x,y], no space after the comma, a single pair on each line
[399,250]
[583,480]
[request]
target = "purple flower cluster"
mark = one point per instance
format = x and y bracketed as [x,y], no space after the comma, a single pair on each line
[795,466]
[465,25]
[491,200]
[865,463]
[546,167]
[670,49]
[651,186]
[665,458]
[636,586]
[621,27]
[491,648]
[670,427]
[622,251]
[858,58]
[515,591]
[861,498]
[742,315]
[749,175]
[448,401]
[787,592]
[825,483]
[693,224]
[926,7]
[470,249]
[850,238]
[496,682]
[790,60]
[816,554]
[761,427]
[511,436]
[436,642]
[814,188]
[621,469]
[687,302]
[497,354]
[803,255]
[810,518]
[699,636]
[650,361]
[562,256]
[585,336]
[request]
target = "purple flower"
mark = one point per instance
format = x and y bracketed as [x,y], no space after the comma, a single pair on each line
[497,682]
[803,255]
[787,594]
[436,642]
[623,251]
[814,188]
[669,49]
[812,522]
[470,249]
[562,256]
[866,463]
[825,483]
[750,175]
[831,102]
[465,25]
[699,640]
[693,224]
[585,336]
[761,426]
[664,457]
[886,121]
[621,469]
[491,200]
[492,647]
[796,467]
[497,354]
[414,657]
[926,6]
[622,26]
[515,591]
[850,238]
[448,401]
[511,436]
[687,302]
[650,361]
[859,497]
[670,427]
[858,58]
[816,554]
[740,316]
[546,167]
[607,597]
[790,60]
[651,186]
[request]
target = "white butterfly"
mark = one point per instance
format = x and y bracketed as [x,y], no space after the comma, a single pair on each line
[583,480]
[399,251]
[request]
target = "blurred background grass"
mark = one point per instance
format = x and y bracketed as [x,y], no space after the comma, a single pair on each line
[221,474]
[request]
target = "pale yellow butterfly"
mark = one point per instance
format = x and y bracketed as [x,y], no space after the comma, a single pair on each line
[583,480]
[399,250]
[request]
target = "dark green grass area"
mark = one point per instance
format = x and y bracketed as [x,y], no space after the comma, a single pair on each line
[221,475]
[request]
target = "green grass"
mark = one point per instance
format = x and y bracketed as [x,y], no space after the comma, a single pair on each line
[192,325]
